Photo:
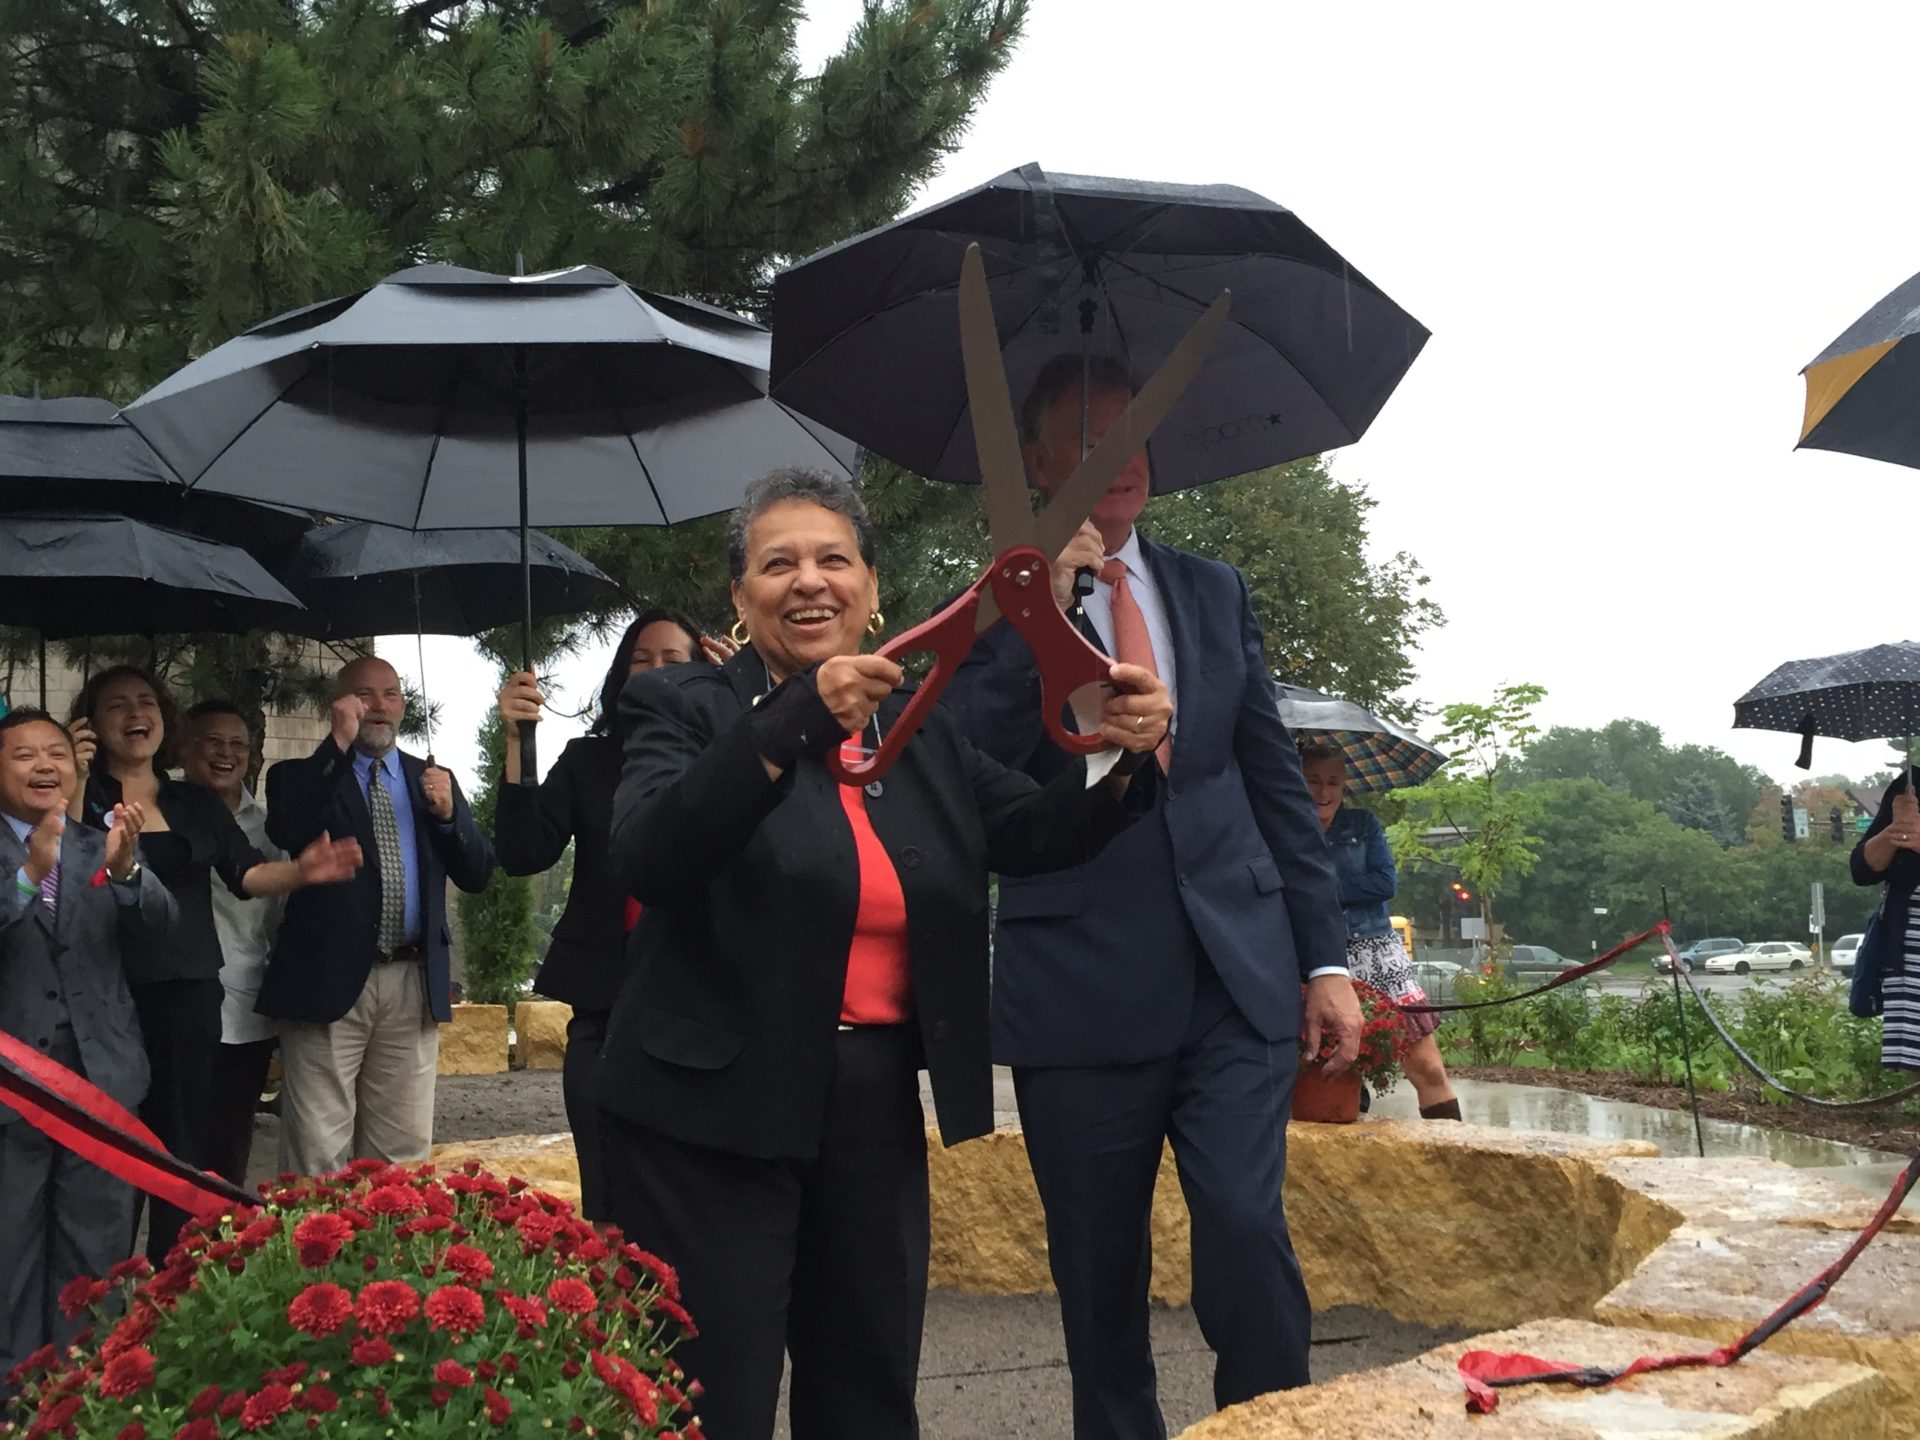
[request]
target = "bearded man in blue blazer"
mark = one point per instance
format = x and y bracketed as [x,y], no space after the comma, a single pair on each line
[1156,992]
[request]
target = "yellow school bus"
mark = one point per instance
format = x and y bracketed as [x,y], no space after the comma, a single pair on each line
[1403,927]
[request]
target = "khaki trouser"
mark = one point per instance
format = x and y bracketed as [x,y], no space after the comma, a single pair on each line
[362,1087]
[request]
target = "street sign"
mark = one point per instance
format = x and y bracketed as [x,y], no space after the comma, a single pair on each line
[1472,927]
[1819,906]
[1799,822]
[1861,822]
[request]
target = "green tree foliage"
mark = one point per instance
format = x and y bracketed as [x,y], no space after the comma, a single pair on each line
[1696,785]
[1472,817]
[500,942]
[1332,619]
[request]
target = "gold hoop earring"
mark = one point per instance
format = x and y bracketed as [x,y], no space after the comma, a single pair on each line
[738,634]
[876,622]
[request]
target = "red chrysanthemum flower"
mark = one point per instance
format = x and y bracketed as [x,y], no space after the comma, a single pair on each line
[266,1405]
[456,1309]
[319,1238]
[127,1373]
[452,1372]
[286,1375]
[386,1306]
[498,1406]
[207,1401]
[573,1296]
[231,1407]
[537,1229]
[676,1312]
[471,1265]
[318,1400]
[527,1309]
[201,1429]
[320,1310]
[132,1430]
[393,1200]
[372,1352]
[440,1395]
[81,1294]
[136,1267]
[259,1232]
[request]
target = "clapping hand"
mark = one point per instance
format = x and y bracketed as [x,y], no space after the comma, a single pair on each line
[437,785]
[328,861]
[124,828]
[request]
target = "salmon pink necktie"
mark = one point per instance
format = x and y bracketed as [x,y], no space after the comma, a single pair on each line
[1132,645]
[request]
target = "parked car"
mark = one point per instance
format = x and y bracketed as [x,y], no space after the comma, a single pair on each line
[1697,954]
[1437,977]
[1537,960]
[1844,949]
[1761,955]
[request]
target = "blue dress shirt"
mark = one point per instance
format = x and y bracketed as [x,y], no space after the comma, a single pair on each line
[396,782]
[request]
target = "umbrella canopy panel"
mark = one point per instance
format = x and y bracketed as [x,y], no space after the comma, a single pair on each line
[866,334]
[398,405]
[1380,755]
[361,579]
[87,574]
[77,453]
[1871,694]
[1863,390]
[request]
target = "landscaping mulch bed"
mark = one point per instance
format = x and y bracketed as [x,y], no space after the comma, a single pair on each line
[1886,1127]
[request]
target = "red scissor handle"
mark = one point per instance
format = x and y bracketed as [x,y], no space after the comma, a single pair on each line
[1022,585]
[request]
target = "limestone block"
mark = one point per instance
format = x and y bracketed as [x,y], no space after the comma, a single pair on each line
[1720,1281]
[1741,1190]
[540,1034]
[546,1162]
[474,1042]
[1765,1397]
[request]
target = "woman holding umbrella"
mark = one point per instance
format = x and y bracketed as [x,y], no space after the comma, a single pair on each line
[1375,955]
[1889,854]
[123,720]
[531,827]
[807,948]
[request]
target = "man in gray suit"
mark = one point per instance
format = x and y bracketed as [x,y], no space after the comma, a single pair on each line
[67,894]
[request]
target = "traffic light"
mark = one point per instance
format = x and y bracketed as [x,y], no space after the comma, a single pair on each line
[1786,817]
[1839,825]
[1461,895]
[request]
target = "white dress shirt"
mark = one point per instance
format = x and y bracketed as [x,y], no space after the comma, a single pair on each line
[1140,584]
[246,929]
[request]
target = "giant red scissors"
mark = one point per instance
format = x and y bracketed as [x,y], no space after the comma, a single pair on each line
[1018,586]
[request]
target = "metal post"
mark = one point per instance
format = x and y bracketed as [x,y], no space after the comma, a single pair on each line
[1686,1043]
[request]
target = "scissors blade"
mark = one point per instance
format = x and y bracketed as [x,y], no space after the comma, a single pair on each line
[1003,474]
[1073,502]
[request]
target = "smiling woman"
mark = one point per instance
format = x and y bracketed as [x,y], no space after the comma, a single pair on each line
[126,722]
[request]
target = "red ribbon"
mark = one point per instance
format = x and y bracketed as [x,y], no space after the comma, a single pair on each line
[78,1115]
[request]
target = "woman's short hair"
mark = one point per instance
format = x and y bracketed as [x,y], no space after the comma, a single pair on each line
[607,722]
[796,482]
[88,700]
[1312,752]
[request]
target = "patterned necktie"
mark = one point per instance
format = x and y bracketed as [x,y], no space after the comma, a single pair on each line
[393,869]
[1132,645]
[50,890]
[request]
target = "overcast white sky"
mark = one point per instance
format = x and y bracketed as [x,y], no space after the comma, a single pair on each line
[1628,228]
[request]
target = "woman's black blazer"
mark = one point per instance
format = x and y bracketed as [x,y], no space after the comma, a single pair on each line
[725,1035]
[586,957]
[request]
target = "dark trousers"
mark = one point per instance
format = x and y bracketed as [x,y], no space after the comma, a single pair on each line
[1094,1140]
[823,1260]
[585,1031]
[239,1075]
[64,1217]
[180,1022]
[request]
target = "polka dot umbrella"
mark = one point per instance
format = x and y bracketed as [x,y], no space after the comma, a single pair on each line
[1871,694]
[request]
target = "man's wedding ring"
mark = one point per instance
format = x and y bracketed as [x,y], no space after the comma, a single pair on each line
[1140,723]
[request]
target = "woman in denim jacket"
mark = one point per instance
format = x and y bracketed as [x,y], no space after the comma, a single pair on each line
[1375,953]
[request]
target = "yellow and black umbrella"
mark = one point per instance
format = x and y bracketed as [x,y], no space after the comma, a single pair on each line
[1863,390]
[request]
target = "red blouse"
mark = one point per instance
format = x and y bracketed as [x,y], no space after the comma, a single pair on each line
[879,988]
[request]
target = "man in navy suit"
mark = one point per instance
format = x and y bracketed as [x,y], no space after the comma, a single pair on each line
[358,979]
[1155,993]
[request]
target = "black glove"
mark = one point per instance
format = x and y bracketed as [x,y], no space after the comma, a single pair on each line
[792,721]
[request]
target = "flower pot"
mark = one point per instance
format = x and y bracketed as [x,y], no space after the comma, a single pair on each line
[1324,1101]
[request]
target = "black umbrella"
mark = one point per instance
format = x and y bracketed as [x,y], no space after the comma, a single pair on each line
[445,398]
[1869,694]
[93,574]
[1863,390]
[78,454]
[866,336]
[1380,755]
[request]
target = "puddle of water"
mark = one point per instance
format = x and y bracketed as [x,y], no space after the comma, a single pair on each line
[1534,1107]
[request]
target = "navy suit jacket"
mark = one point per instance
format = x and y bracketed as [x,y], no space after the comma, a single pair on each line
[1093,965]
[324,951]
